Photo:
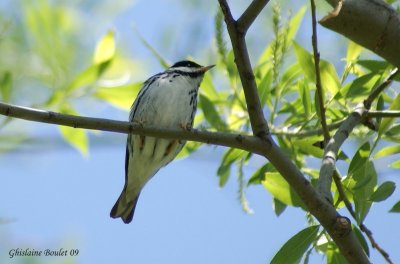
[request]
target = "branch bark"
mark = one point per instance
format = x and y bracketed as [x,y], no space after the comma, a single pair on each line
[247,18]
[258,123]
[318,83]
[332,149]
[363,227]
[248,143]
[372,24]
[338,227]
[387,113]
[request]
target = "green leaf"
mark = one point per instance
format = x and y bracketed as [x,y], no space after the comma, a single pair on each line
[360,86]
[395,164]
[264,87]
[189,148]
[293,250]
[393,131]
[395,208]
[360,158]
[387,151]
[119,96]
[328,73]
[105,49]
[374,65]
[306,97]
[224,170]
[295,23]
[305,59]
[5,87]
[259,175]
[362,194]
[329,77]
[281,190]
[88,76]
[163,62]
[279,207]
[219,35]
[380,106]
[10,142]
[353,51]
[361,238]
[208,89]
[291,75]
[333,255]
[387,121]
[211,114]
[383,192]
[76,137]
[306,146]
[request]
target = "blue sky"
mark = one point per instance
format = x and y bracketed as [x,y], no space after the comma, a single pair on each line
[55,198]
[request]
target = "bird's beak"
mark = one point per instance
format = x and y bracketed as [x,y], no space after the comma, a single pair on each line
[206,68]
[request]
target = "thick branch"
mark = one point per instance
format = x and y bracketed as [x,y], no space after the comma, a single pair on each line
[248,143]
[372,24]
[251,13]
[242,60]
[338,227]
[318,83]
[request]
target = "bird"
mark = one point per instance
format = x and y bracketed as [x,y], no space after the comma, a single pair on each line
[168,100]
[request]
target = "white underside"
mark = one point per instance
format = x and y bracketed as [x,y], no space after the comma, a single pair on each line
[169,107]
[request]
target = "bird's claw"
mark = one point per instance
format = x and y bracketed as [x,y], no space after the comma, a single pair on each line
[139,121]
[186,126]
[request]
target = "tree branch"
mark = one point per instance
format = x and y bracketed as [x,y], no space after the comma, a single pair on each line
[334,144]
[318,83]
[258,123]
[387,113]
[332,149]
[379,89]
[297,132]
[251,13]
[373,24]
[338,227]
[363,228]
[248,143]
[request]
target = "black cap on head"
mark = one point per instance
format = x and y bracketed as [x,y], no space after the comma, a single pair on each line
[186,63]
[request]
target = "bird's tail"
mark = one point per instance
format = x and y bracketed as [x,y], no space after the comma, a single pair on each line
[124,208]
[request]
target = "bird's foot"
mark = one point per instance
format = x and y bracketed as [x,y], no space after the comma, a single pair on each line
[186,126]
[139,121]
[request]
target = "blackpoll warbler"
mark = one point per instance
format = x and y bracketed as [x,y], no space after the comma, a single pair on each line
[167,99]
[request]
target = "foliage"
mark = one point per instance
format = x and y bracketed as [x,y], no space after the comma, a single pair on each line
[287,92]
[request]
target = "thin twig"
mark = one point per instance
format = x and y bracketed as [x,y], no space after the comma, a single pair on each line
[297,132]
[379,89]
[251,13]
[375,244]
[342,194]
[363,228]
[249,143]
[386,113]
[320,92]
